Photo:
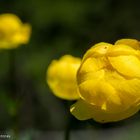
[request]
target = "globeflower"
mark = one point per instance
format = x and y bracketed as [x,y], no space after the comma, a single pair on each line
[13,32]
[109,82]
[61,77]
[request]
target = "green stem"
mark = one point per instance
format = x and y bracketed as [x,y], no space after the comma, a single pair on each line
[13,89]
[69,122]
[67,131]
[12,72]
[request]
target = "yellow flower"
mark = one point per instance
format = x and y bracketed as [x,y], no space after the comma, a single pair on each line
[13,32]
[61,77]
[109,82]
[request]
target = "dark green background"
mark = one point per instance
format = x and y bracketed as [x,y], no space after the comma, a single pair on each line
[58,27]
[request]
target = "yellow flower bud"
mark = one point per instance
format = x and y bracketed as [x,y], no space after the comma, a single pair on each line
[13,32]
[109,82]
[61,77]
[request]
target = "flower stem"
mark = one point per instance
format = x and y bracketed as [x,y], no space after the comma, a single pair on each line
[12,73]
[67,131]
[69,122]
[13,89]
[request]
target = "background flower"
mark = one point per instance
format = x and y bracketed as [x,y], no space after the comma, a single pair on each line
[61,77]
[13,32]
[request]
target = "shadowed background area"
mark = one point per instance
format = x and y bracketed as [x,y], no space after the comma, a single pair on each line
[58,28]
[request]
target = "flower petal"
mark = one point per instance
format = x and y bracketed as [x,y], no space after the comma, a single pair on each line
[128,91]
[84,111]
[98,50]
[130,42]
[98,92]
[104,117]
[81,110]
[122,49]
[126,65]
[91,66]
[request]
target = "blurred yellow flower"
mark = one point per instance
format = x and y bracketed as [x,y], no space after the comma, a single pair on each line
[109,82]
[61,77]
[13,32]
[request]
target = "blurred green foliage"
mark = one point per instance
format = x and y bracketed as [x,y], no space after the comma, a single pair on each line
[58,28]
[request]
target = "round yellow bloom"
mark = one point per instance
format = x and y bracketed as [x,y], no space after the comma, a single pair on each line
[13,32]
[61,77]
[109,82]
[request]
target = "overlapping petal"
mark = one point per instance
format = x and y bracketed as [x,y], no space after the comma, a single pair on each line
[84,111]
